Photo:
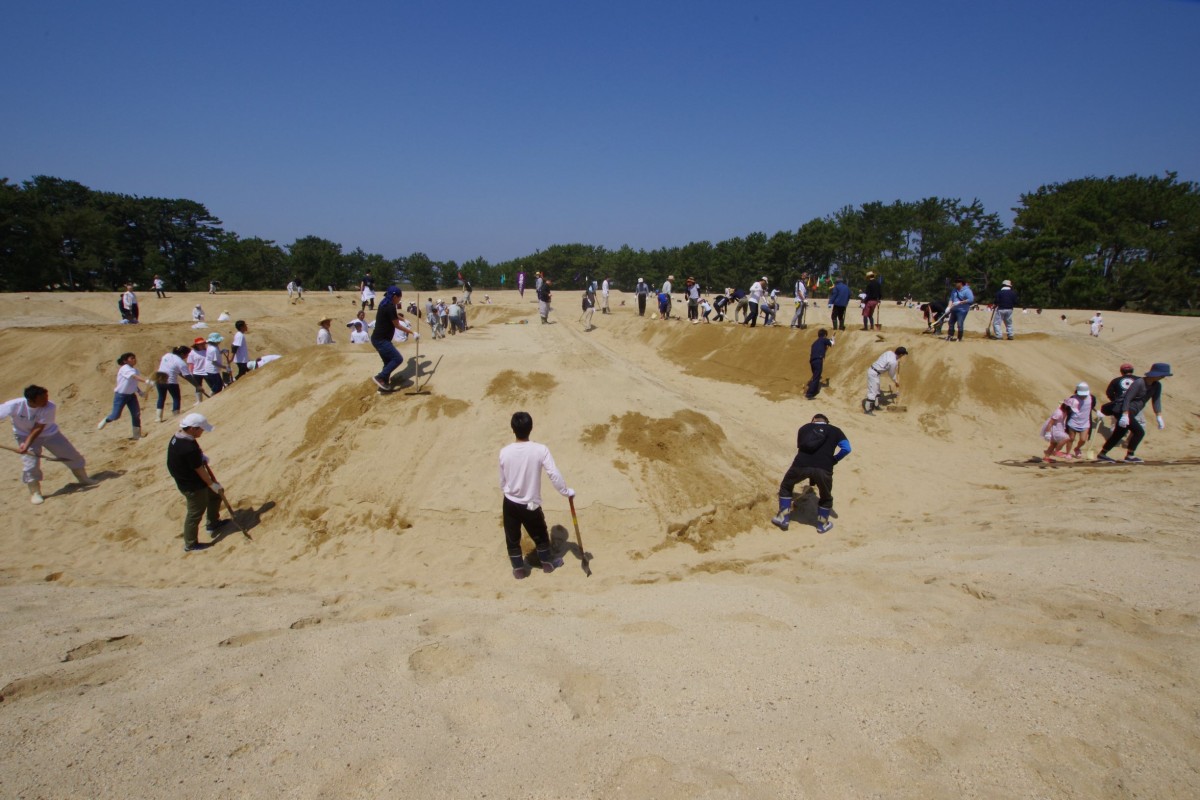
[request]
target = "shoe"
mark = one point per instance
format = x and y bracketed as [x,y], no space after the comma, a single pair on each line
[216,526]
[35,493]
[552,564]
[780,521]
[1077,454]
[1132,459]
[1106,457]
[191,548]
[1010,338]
[825,526]
[868,405]
[521,573]
[384,386]
[100,425]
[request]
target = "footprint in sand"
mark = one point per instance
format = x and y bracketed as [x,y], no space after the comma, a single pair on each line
[439,661]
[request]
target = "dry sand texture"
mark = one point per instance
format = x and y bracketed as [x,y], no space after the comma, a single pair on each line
[968,629]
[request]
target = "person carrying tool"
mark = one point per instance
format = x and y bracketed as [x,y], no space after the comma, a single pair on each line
[819,447]
[816,360]
[34,428]
[874,298]
[189,467]
[521,466]
[388,320]
[1146,389]
[889,362]
[958,306]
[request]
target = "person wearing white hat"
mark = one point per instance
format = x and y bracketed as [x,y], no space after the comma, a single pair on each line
[1080,420]
[642,290]
[758,290]
[189,467]
[1006,301]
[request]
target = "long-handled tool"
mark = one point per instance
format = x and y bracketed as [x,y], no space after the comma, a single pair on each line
[30,453]
[583,556]
[228,507]
[417,380]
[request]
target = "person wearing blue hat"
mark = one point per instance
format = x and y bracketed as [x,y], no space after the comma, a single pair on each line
[1147,388]
[388,320]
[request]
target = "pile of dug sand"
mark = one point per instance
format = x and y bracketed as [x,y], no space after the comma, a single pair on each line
[968,628]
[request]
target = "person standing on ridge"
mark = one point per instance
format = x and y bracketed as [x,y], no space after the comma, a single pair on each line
[589,308]
[521,467]
[34,427]
[801,298]
[666,289]
[367,288]
[1096,324]
[839,298]
[873,299]
[604,297]
[756,296]
[958,306]
[1006,301]
[816,361]
[819,447]
[642,290]
[693,300]
[241,350]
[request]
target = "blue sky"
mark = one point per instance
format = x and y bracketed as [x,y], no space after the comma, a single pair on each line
[464,129]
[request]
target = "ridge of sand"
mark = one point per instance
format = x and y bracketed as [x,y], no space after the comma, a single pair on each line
[967,629]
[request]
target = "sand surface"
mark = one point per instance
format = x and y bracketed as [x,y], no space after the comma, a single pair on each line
[968,629]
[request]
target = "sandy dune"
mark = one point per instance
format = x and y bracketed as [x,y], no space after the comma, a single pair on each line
[968,629]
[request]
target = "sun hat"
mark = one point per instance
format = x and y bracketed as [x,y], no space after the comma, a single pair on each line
[195,421]
[1159,370]
[1082,389]
[1126,367]
[215,338]
[198,340]
[1007,283]
[324,320]
[870,274]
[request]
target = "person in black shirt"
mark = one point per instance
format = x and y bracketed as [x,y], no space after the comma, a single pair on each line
[873,299]
[189,467]
[388,320]
[816,360]
[368,283]
[819,446]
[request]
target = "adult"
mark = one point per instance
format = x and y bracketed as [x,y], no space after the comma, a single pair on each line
[889,362]
[1115,391]
[588,304]
[520,283]
[366,287]
[816,362]
[537,285]
[604,288]
[755,296]
[1096,324]
[159,288]
[871,302]
[521,467]
[34,428]
[455,312]
[693,300]
[129,304]
[543,296]
[839,298]
[214,354]
[388,320]
[241,348]
[188,465]
[800,292]
[934,313]
[324,334]
[171,367]
[958,306]
[666,289]
[642,291]
[466,301]
[126,395]
[1006,301]
[741,305]
[819,447]
[1147,388]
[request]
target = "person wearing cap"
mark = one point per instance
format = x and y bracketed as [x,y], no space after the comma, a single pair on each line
[358,335]
[874,296]
[889,362]
[819,447]
[202,370]
[521,465]
[324,335]
[34,427]
[189,467]
[1006,301]
[1080,420]
[839,298]
[1146,389]
[388,320]
[693,300]
[126,394]
[543,296]
[958,306]
[758,290]
[642,291]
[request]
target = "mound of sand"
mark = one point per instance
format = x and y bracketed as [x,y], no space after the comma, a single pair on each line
[969,628]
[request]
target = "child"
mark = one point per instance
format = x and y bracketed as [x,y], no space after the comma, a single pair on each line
[126,394]
[241,350]
[705,309]
[664,305]
[1096,323]
[521,466]
[166,379]
[1054,431]
[1079,420]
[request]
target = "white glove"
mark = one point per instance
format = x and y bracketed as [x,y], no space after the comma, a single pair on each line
[1161,424]
[216,487]
[416,336]
[570,492]
[832,340]
[1123,422]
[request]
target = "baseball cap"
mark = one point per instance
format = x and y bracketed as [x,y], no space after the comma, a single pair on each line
[1127,367]
[1082,389]
[195,421]
[198,340]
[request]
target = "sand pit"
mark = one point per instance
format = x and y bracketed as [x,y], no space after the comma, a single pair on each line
[968,629]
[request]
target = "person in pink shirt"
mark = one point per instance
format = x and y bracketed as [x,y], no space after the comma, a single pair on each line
[521,467]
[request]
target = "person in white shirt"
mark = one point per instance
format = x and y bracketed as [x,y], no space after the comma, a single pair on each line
[34,428]
[889,362]
[218,360]
[324,335]
[129,305]
[202,370]
[358,335]
[801,301]
[361,316]
[521,466]
[126,394]
[159,288]
[241,349]
[166,380]
[455,313]
[604,297]
[758,290]
[666,289]
[1096,323]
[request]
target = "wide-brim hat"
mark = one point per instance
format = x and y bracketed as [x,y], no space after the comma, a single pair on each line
[1159,370]
[324,320]
[198,340]
[1007,283]
[215,338]
[870,274]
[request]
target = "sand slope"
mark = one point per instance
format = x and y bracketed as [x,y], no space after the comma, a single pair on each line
[968,629]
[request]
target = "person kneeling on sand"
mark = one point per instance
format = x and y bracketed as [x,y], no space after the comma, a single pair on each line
[189,467]
[521,465]
[819,447]
[34,428]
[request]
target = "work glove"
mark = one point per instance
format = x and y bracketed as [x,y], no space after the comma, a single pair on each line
[570,492]
[1161,424]
[832,341]
[216,487]
[416,336]
[1123,422]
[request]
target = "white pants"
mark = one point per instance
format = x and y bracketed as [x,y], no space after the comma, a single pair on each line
[57,444]
[872,384]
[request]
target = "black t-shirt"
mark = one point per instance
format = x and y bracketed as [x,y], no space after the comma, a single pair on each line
[184,457]
[368,282]
[385,322]
[875,290]
[543,293]
[819,347]
[822,456]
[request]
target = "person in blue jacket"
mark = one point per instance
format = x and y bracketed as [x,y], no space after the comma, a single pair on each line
[958,306]
[839,298]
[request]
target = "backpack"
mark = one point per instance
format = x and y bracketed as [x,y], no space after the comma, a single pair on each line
[812,438]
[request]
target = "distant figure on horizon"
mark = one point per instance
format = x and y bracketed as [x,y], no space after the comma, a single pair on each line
[1006,301]
[159,288]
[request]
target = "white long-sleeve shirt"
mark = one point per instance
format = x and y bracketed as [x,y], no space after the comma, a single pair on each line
[521,464]
[888,362]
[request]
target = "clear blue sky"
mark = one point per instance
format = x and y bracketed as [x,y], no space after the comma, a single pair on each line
[464,129]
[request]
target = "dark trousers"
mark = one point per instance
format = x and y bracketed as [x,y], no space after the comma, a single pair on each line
[752,314]
[165,389]
[242,369]
[641,305]
[814,385]
[838,318]
[517,516]
[200,502]
[693,309]
[389,355]
[821,478]
[1136,433]
[215,384]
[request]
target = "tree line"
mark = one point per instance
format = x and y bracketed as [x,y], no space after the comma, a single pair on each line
[1116,242]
